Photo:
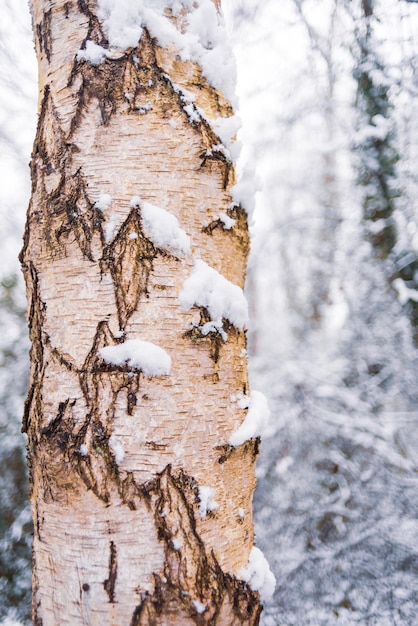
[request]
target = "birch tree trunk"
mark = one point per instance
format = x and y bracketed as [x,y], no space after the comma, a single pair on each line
[141,507]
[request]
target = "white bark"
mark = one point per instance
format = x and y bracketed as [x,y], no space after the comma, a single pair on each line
[117,457]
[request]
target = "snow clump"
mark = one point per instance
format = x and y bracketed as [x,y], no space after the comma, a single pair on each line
[255,421]
[93,53]
[162,227]
[258,574]
[221,298]
[177,544]
[228,222]
[104,202]
[198,33]
[116,447]
[141,355]
[207,501]
[199,606]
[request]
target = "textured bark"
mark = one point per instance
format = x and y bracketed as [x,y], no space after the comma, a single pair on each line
[121,541]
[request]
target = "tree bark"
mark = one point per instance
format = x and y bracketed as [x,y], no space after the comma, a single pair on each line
[118,458]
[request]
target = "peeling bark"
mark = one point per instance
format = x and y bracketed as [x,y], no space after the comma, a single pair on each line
[116,457]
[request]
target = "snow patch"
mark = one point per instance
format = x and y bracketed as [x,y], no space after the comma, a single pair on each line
[227,128]
[93,53]
[198,33]
[255,421]
[207,501]
[177,544]
[258,574]
[221,298]
[110,227]
[83,450]
[142,355]
[199,606]
[228,222]
[192,113]
[117,448]
[242,400]
[104,202]
[213,327]
[162,227]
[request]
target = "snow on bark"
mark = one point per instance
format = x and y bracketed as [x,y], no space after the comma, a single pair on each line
[222,299]
[255,421]
[196,29]
[207,502]
[162,227]
[142,355]
[259,575]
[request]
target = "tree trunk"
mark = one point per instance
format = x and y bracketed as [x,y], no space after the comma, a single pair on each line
[141,507]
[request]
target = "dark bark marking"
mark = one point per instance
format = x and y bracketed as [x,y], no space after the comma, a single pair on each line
[214,225]
[36,605]
[43,34]
[72,213]
[96,373]
[36,314]
[98,468]
[83,6]
[130,491]
[213,338]
[152,445]
[209,138]
[190,573]
[110,583]
[130,262]
[239,215]
[49,156]
[252,447]
[54,449]
[215,157]
[240,229]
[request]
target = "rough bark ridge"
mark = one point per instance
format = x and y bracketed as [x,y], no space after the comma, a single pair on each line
[117,458]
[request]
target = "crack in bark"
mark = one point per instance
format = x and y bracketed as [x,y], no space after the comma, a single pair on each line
[82,218]
[43,33]
[36,316]
[110,583]
[130,262]
[48,156]
[214,337]
[215,157]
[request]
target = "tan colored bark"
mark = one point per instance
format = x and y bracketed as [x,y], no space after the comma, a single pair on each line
[105,531]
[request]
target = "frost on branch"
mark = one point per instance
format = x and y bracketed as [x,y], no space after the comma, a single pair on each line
[141,355]
[255,421]
[222,299]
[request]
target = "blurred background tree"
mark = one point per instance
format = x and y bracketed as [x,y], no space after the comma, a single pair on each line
[17,126]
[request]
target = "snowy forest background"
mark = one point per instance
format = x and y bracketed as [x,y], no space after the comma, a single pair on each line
[329,101]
